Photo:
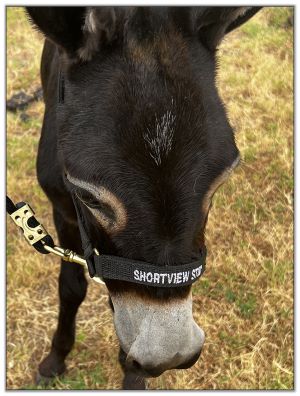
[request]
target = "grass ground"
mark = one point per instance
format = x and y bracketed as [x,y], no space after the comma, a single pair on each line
[245,301]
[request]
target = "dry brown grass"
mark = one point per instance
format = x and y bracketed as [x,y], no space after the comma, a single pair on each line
[245,300]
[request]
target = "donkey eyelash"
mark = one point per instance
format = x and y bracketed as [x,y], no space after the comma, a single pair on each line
[95,205]
[88,200]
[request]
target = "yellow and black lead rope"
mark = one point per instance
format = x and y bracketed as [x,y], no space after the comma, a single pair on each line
[36,235]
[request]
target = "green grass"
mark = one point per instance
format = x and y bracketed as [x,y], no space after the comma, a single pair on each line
[77,381]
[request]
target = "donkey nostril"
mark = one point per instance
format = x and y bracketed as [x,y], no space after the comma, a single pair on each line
[136,365]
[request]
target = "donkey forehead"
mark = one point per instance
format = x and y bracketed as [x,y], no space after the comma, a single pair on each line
[146,145]
[136,117]
[147,108]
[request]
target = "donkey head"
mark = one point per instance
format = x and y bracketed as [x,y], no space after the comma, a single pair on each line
[144,138]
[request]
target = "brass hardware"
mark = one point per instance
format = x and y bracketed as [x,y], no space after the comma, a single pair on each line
[36,233]
[66,254]
[72,257]
[97,278]
[31,234]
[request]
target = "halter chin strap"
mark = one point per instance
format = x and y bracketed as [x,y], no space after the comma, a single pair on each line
[120,268]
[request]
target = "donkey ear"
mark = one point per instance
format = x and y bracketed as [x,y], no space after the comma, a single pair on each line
[79,31]
[62,25]
[213,23]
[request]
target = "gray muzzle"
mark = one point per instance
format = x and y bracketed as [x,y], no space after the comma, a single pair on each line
[157,336]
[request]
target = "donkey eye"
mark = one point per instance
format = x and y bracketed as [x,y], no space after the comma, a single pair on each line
[92,203]
[88,200]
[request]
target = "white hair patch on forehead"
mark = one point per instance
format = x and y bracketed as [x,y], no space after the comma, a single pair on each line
[159,141]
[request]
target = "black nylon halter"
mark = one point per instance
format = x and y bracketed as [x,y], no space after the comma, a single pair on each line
[120,268]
